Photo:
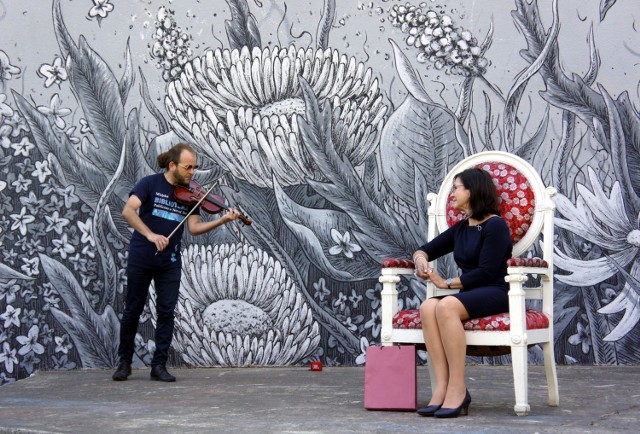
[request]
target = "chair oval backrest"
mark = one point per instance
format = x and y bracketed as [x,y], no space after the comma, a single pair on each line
[520,190]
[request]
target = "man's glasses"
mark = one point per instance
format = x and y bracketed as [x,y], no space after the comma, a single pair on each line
[188,166]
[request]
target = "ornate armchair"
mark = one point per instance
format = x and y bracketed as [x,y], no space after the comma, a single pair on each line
[528,208]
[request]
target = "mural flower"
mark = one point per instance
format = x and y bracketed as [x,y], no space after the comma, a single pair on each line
[7,70]
[55,112]
[41,171]
[100,10]
[21,221]
[604,222]
[8,357]
[241,107]
[5,109]
[54,73]
[12,127]
[11,317]
[343,246]
[30,342]
[238,307]
[23,147]
[172,47]
[63,247]
[438,40]
[582,337]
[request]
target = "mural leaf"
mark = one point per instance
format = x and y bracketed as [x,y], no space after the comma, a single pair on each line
[574,94]
[605,5]
[374,187]
[517,90]
[65,41]
[95,336]
[135,164]
[408,76]
[420,135]
[259,206]
[536,143]
[412,82]
[620,150]
[99,95]
[127,76]
[89,181]
[465,100]
[163,126]
[422,204]
[630,128]
[628,300]
[101,221]
[563,312]
[604,352]
[594,59]
[346,190]
[489,128]
[324,27]
[98,92]
[563,151]
[314,228]
[242,28]
[7,273]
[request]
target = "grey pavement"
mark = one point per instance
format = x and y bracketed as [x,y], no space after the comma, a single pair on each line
[593,399]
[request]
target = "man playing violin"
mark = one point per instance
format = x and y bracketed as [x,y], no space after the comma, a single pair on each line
[154,254]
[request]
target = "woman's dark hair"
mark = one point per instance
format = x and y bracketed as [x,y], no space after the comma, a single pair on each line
[173,154]
[483,197]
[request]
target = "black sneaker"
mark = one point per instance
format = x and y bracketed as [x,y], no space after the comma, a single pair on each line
[122,372]
[160,373]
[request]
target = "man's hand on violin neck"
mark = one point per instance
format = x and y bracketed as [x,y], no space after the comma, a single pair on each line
[232,214]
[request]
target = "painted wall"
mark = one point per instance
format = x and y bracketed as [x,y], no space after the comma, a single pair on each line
[319,119]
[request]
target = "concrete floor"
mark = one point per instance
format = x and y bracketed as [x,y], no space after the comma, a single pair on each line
[598,399]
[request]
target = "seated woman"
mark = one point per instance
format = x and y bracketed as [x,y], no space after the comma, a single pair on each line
[481,246]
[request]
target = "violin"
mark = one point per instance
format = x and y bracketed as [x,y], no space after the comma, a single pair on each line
[193,194]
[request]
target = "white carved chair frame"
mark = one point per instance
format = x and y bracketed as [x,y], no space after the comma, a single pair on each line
[518,337]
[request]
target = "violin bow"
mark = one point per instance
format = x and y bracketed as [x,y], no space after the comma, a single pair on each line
[190,212]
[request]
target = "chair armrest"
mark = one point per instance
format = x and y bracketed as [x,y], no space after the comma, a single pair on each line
[542,292]
[517,315]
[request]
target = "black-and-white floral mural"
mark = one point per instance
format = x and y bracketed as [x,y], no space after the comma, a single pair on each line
[327,123]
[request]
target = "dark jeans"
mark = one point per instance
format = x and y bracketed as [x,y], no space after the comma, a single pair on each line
[167,285]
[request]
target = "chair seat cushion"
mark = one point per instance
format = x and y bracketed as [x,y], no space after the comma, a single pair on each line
[527,262]
[397,263]
[410,319]
[512,262]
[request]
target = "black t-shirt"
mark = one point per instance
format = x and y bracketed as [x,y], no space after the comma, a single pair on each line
[162,214]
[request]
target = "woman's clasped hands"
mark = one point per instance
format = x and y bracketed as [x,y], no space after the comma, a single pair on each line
[423,271]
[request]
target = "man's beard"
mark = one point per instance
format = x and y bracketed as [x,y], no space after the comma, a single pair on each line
[182,180]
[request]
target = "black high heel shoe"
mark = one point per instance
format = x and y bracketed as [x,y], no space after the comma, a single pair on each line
[462,410]
[429,410]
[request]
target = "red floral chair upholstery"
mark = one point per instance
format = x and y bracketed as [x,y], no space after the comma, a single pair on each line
[528,208]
